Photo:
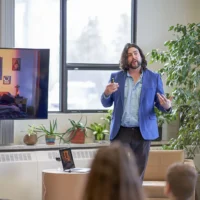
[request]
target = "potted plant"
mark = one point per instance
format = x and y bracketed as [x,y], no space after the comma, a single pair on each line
[99,131]
[181,66]
[31,137]
[77,131]
[50,133]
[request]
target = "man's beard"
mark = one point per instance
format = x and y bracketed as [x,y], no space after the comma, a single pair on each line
[131,66]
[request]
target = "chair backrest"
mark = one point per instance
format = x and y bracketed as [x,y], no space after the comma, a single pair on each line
[159,161]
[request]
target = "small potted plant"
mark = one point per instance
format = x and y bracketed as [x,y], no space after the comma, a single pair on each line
[50,134]
[99,131]
[77,131]
[31,137]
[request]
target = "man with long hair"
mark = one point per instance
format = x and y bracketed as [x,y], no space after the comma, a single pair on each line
[135,90]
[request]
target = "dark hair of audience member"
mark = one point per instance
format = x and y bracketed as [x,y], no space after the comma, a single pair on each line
[114,175]
[181,179]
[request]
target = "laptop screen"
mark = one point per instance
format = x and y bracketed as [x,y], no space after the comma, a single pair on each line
[66,158]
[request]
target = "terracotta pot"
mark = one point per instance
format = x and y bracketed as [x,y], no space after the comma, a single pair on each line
[50,139]
[78,137]
[30,139]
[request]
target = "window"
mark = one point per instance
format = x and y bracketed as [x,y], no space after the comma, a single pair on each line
[97,31]
[37,25]
[85,37]
[85,89]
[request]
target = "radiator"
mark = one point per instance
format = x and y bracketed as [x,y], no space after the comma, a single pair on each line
[21,172]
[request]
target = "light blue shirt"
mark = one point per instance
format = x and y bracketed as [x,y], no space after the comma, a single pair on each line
[132,93]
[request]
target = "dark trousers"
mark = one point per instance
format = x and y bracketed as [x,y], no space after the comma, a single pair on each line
[133,138]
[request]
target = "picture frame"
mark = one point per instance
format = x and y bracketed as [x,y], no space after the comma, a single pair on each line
[16,64]
[6,80]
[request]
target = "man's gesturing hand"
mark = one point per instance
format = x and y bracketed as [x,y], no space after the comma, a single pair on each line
[164,102]
[110,88]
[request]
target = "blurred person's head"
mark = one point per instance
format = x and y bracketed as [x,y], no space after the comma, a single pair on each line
[180,181]
[114,175]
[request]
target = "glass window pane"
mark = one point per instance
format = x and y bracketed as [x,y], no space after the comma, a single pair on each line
[37,25]
[85,88]
[97,30]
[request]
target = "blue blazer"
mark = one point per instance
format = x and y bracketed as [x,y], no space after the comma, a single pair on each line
[151,85]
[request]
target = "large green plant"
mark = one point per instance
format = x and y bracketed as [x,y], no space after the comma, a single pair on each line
[164,116]
[181,65]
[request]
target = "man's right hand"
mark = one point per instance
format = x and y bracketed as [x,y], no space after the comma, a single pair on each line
[110,88]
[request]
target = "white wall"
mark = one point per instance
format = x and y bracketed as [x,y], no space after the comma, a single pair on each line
[154,19]
[156,16]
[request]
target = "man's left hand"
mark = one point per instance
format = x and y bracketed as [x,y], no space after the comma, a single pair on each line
[164,102]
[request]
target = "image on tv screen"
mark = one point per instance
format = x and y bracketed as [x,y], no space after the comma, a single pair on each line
[24,75]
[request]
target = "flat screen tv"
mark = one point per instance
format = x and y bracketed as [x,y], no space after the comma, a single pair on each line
[24,75]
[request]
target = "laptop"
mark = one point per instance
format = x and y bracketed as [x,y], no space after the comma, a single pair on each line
[68,161]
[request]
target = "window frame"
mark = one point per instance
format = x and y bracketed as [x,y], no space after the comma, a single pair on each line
[85,66]
[7,40]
